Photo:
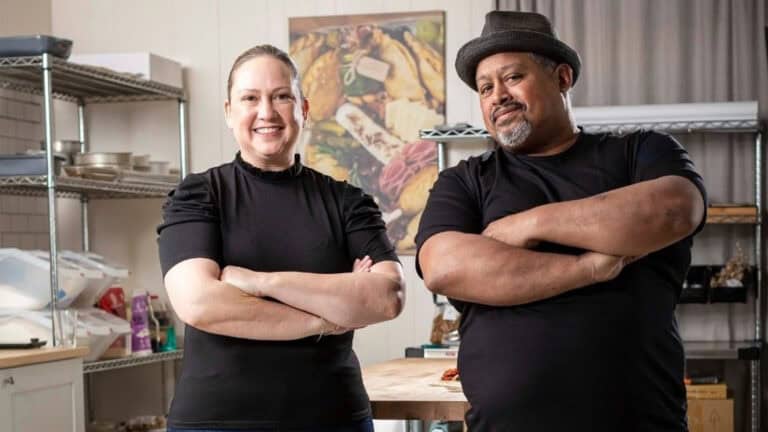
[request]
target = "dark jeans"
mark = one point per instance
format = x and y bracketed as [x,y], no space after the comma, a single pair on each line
[365,425]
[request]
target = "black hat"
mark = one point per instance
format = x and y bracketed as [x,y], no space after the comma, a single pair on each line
[514,32]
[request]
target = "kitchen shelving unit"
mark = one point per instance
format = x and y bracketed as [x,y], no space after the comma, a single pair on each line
[106,365]
[75,187]
[724,117]
[54,78]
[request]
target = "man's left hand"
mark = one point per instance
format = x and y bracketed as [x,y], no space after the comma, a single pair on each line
[515,230]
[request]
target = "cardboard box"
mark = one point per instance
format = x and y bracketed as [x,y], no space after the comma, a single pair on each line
[707,391]
[149,66]
[710,415]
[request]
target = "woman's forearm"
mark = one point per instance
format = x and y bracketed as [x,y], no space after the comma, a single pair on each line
[203,301]
[347,299]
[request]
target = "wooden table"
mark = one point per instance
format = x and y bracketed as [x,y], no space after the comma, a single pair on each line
[411,389]
[24,357]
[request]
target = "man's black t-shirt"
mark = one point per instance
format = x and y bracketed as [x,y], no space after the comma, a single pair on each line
[292,220]
[607,357]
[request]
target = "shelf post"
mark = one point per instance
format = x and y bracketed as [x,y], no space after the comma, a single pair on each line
[755,366]
[440,156]
[51,188]
[86,246]
[183,159]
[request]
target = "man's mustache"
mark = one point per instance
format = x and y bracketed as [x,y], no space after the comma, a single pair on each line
[508,106]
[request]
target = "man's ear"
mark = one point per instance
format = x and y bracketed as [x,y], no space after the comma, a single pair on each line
[564,77]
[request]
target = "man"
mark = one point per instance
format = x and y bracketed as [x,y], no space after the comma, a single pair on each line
[564,251]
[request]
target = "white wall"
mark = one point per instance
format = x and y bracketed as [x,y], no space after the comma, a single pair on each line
[25,17]
[206,36]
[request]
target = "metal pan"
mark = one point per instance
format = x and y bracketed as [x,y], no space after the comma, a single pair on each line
[101,159]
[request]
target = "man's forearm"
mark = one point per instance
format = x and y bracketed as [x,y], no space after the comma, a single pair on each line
[478,269]
[347,299]
[629,221]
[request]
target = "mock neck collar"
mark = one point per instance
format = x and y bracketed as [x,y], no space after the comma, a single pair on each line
[286,174]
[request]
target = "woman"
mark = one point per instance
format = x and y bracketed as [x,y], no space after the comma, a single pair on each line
[257,256]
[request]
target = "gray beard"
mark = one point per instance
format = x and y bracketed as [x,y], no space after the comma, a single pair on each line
[516,136]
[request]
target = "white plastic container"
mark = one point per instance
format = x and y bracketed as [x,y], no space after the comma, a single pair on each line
[19,326]
[94,277]
[96,328]
[95,288]
[93,319]
[25,280]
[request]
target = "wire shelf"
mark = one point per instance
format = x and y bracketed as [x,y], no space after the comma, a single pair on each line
[450,134]
[729,350]
[694,350]
[722,220]
[732,214]
[677,127]
[73,187]
[105,365]
[75,83]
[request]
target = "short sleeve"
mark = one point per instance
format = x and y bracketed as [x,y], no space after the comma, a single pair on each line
[452,206]
[190,227]
[658,155]
[365,229]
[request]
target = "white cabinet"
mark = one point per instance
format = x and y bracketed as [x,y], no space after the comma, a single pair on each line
[44,397]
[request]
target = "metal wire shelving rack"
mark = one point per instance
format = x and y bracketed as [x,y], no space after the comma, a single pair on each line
[55,78]
[105,365]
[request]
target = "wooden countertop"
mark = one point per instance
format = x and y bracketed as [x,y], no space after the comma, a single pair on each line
[24,357]
[411,388]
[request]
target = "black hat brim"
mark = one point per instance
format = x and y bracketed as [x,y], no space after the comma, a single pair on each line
[474,51]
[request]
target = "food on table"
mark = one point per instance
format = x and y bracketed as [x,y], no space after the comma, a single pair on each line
[451,374]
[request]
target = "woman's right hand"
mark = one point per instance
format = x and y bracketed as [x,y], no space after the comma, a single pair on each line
[246,280]
[327,328]
[362,265]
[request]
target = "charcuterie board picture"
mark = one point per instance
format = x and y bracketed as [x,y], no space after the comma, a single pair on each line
[373,81]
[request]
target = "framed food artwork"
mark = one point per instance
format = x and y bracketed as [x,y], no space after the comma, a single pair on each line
[373,81]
